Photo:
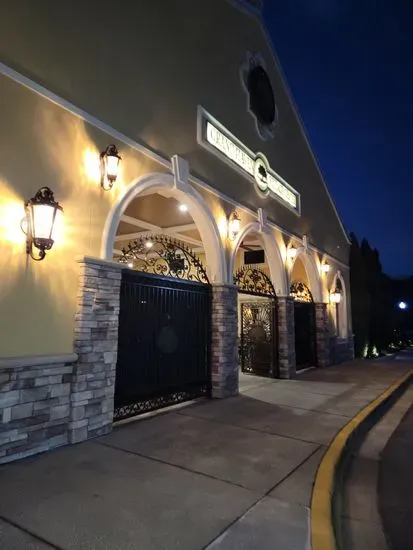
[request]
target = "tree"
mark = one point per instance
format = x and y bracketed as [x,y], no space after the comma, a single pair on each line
[376,319]
[360,298]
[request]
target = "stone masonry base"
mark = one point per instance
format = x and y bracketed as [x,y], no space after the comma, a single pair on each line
[224,348]
[286,337]
[34,405]
[46,402]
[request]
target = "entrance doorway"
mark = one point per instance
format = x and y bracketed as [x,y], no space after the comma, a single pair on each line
[164,327]
[304,322]
[257,309]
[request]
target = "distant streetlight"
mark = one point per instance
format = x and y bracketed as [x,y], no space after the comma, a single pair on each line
[402,305]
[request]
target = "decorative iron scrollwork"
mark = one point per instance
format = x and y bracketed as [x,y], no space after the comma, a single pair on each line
[256,350]
[151,404]
[254,281]
[300,292]
[164,256]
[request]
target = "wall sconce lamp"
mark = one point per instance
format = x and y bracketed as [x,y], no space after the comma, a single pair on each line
[39,224]
[109,166]
[234,225]
[336,294]
[291,253]
[325,268]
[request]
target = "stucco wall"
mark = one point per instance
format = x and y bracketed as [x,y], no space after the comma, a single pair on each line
[43,145]
[145,66]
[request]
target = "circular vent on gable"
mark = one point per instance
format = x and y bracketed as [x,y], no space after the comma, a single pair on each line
[261,100]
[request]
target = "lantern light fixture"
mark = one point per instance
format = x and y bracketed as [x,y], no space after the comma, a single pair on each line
[234,225]
[325,268]
[109,166]
[40,222]
[292,253]
[183,208]
[336,294]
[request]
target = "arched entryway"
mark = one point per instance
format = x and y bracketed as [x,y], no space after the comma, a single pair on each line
[164,234]
[257,307]
[164,326]
[339,308]
[156,188]
[304,325]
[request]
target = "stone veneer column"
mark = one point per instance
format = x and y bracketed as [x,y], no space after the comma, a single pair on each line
[224,346]
[322,335]
[96,344]
[286,337]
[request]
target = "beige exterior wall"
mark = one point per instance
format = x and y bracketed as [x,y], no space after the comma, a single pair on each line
[144,75]
[143,68]
[43,145]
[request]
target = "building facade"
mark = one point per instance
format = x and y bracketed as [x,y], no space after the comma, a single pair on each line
[215,247]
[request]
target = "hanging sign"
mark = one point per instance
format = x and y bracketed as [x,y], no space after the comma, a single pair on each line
[216,138]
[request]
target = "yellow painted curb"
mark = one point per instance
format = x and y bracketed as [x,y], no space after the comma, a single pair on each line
[322,529]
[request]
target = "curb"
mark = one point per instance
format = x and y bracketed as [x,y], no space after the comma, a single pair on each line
[323,535]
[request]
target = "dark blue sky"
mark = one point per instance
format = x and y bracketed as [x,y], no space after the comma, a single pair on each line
[349,66]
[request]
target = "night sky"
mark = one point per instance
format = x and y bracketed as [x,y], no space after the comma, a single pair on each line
[350,69]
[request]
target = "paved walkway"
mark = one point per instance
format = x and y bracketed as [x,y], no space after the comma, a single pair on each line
[224,475]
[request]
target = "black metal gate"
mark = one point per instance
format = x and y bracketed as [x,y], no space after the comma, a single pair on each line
[257,349]
[164,328]
[304,322]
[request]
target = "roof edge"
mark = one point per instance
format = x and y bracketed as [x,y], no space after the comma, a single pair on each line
[256,13]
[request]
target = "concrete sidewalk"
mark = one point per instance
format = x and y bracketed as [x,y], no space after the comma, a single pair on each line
[232,474]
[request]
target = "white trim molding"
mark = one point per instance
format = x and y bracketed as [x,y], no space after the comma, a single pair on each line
[272,252]
[183,192]
[311,270]
[36,360]
[342,329]
[166,163]
[257,17]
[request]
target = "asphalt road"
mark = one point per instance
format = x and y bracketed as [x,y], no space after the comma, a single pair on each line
[396,486]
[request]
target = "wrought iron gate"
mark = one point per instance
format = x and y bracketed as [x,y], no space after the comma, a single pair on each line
[257,349]
[164,328]
[304,323]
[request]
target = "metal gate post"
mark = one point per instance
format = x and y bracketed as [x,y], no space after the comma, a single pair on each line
[322,340]
[224,346]
[286,337]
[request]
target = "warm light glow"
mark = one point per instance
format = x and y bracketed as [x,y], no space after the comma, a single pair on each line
[325,268]
[335,297]
[11,214]
[183,208]
[130,265]
[223,226]
[149,244]
[42,221]
[91,165]
[292,253]
[112,164]
[234,226]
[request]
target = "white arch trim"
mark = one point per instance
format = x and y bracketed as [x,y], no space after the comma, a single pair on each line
[200,212]
[311,269]
[342,329]
[273,254]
